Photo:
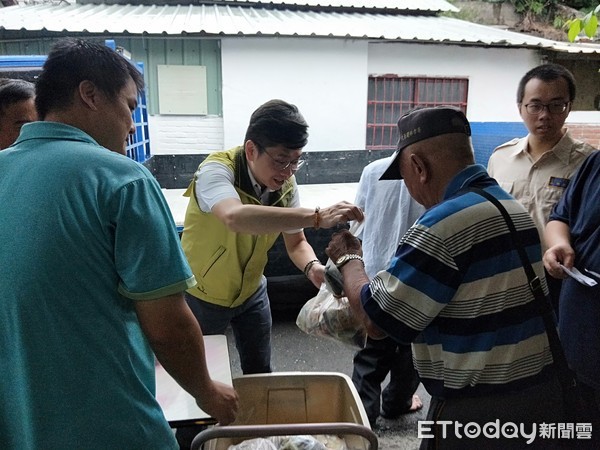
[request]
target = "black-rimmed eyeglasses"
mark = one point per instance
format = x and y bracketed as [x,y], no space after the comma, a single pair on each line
[553,107]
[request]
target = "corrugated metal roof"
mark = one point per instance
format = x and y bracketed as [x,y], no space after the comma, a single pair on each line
[581,47]
[391,5]
[221,20]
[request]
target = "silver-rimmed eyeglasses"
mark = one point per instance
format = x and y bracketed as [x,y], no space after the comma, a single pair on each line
[285,165]
[553,107]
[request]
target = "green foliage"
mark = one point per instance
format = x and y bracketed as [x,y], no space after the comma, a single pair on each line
[559,22]
[534,7]
[588,24]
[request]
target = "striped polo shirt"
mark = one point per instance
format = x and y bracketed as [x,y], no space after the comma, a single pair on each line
[456,289]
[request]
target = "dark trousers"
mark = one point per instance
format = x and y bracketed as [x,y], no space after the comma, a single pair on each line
[371,366]
[592,396]
[554,286]
[251,323]
[529,408]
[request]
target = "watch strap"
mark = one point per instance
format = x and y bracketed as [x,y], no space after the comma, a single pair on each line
[348,257]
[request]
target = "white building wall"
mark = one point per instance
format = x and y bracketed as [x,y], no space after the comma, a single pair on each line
[327,80]
[493,74]
[324,78]
[176,135]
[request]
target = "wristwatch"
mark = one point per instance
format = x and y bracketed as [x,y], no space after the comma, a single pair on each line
[347,257]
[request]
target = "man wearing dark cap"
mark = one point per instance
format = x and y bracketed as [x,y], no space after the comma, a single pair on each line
[456,289]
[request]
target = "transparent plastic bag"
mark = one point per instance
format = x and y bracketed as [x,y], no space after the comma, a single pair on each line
[255,444]
[326,315]
[302,443]
[332,442]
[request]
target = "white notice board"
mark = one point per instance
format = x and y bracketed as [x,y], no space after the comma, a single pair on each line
[182,90]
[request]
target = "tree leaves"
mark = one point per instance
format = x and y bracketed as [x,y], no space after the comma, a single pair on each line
[589,25]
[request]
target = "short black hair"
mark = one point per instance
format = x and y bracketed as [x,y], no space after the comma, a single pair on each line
[277,122]
[72,61]
[13,90]
[547,72]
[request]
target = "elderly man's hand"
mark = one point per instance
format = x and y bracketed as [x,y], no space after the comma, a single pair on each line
[342,243]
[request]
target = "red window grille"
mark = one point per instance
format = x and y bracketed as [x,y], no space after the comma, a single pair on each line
[391,96]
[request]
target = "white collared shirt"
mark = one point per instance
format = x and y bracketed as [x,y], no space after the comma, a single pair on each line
[215,182]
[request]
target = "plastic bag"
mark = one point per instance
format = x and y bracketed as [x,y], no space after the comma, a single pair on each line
[302,443]
[327,316]
[255,444]
[332,442]
[334,279]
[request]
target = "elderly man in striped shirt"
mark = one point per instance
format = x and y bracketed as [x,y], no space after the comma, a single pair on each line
[457,291]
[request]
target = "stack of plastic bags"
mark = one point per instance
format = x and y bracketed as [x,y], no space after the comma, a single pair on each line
[301,442]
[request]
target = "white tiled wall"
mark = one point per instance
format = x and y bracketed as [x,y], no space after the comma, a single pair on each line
[175,135]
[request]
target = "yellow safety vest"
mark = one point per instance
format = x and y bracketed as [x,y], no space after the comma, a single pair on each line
[228,266]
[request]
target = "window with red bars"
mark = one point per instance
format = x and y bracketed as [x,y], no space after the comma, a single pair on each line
[391,96]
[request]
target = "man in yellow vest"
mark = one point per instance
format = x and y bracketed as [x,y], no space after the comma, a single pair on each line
[240,200]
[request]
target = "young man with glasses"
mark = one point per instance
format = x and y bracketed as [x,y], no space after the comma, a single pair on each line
[240,200]
[537,168]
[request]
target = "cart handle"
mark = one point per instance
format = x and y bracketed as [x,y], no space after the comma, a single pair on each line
[285,429]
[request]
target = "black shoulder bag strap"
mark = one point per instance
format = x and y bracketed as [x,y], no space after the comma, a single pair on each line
[564,373]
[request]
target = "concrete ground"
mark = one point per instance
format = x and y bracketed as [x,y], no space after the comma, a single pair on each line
[294,350]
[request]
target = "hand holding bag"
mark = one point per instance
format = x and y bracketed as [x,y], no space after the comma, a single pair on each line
[328,315]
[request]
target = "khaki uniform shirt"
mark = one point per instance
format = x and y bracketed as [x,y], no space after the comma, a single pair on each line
[537,185]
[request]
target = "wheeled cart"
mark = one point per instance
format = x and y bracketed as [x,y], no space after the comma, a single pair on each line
[294,403]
